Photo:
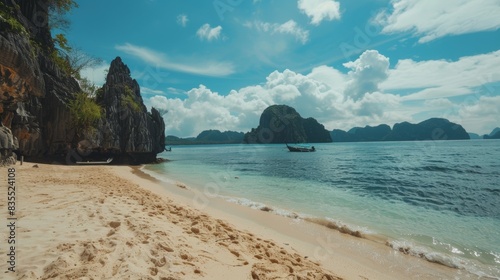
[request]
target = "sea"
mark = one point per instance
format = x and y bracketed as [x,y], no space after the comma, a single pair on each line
[437,200]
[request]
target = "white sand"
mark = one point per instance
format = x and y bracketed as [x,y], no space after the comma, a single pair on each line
[105,222]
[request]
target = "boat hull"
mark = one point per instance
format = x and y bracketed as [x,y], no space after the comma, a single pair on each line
[300,149]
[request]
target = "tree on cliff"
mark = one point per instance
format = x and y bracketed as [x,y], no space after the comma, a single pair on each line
[71,59]
[57,13]
[41,104]
[85,113]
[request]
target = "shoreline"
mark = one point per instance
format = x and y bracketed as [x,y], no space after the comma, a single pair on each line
[463,268]
[118,221]
[330,244]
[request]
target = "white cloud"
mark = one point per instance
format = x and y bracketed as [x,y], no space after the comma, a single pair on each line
[175,91]
[329,76]
[374,104]
[431,19]
[367,72]
[476,113]
[290,28]
[438,92]
[439,103]
[320,94]
[480,114]
[196,66]
[360,97]
[149,91]
[208,33]
[441,78]
[182,20]
[319,10]
[97,74]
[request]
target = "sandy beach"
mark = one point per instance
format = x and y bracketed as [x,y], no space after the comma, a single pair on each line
[116,222]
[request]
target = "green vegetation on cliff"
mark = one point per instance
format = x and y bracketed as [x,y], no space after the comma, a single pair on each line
[128,99]
[7,19]
[85,112]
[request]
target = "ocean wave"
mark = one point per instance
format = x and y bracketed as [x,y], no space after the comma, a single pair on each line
[408,248]
[435,193]
[335,226]
[401,246]
[261,206]
[436,168]
[474,169]
[404,247]
[411,249]
[326,222]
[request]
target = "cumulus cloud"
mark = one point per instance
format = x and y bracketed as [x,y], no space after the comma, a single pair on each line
[96,74]
[320,94]
[208,33]
[319,10]
[430,19]
[479,114]
[182,20]
[366,95]
[196,66]
[374,104]
[289,28]
[329,76]
[367,72]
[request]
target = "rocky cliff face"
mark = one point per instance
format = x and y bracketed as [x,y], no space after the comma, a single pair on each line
[33,90]
[282,124]
[127,130]
[35,93]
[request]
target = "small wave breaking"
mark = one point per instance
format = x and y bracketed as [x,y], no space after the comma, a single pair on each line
[411,249]
[335,226]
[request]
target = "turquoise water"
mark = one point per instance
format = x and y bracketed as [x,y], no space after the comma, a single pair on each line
[438,200]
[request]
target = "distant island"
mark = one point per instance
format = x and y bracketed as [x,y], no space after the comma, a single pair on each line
[431,129]
[495,134]
[208,137]
[283,124]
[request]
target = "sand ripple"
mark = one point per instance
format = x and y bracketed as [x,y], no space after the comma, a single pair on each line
[87,223]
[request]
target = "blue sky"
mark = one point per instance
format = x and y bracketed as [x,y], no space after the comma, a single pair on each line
[218,64]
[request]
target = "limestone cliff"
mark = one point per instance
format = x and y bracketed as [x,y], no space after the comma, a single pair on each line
[126,127]
[35,93]
[33,89]
[282,124]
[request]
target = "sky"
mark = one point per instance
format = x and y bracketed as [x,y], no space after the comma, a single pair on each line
[217,64]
